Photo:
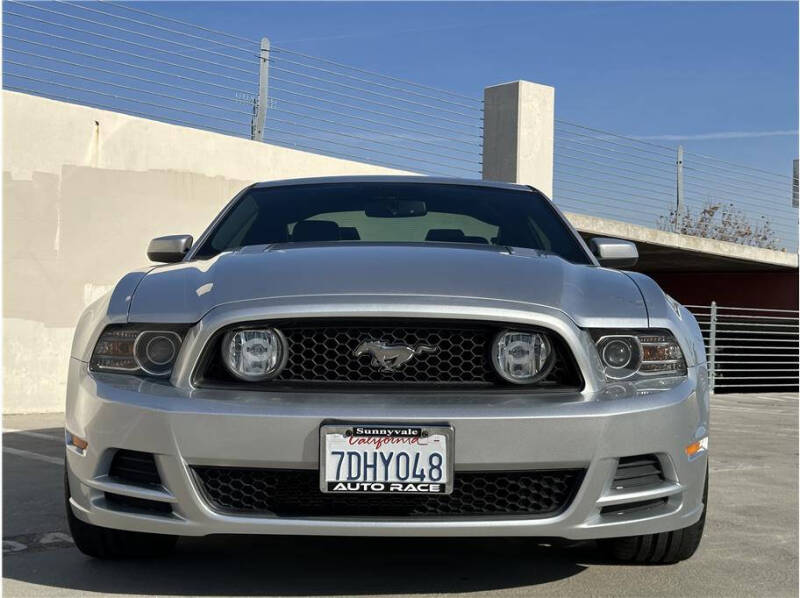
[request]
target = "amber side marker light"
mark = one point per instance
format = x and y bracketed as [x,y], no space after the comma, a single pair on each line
[75,442]
[697,447]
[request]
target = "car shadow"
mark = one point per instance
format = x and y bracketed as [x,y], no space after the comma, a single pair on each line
[309,566]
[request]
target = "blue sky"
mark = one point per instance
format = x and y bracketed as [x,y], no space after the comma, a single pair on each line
[720,78]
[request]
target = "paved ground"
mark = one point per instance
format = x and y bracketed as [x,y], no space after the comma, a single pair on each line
[750,547]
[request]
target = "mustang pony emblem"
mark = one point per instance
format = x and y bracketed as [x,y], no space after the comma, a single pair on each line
[390,358]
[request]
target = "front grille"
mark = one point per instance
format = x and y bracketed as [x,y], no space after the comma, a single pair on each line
[323,352]
[296,493]
[134,466]
[635,472]
[327,354]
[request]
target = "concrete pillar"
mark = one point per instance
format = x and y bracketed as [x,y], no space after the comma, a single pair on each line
[518,128]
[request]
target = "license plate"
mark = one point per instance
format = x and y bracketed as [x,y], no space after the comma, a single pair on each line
[381,459]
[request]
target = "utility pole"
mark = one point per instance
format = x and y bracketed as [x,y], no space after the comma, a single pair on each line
[260,116]
[679,186]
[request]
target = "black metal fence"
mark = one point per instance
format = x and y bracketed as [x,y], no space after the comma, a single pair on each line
[749,348]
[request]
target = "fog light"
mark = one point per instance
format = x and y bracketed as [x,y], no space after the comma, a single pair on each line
[696,447]
[522,357]
[254,354]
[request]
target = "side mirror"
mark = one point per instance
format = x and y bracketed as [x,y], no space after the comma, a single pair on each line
[614,253]
[169,249]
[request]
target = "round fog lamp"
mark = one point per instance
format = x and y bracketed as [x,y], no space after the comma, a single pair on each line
[522,357]
[254,354]
[155,351]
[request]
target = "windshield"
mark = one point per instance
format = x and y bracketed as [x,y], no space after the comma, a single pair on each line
[393,212]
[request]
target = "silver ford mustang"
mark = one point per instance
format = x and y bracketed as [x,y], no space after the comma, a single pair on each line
[388,356]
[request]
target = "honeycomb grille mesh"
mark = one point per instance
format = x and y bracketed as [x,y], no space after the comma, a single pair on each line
[326,354]
[295,493]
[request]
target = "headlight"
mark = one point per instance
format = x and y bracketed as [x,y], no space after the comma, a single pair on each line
[254,354]
[155,351]
[138,349]
[522,357]
[639,354]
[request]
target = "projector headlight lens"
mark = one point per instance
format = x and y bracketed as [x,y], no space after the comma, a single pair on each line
[617,353]
[522,357]
[621,356]
[155,351]
[254,354]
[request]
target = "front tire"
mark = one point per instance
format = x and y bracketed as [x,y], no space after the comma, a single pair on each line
[105,543]
[660,549]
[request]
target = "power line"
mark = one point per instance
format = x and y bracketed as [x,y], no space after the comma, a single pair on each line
[121,40]
[147,35]
[287,51]
[123,52]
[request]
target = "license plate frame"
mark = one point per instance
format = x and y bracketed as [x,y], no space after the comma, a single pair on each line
[424,431]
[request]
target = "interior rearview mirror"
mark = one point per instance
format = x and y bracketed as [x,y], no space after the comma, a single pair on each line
[614,253]
[169,249]
[396,208]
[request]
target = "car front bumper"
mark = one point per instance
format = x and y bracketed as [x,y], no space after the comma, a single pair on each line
[505,432]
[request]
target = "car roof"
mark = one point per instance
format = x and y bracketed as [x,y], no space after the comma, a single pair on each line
[394,179]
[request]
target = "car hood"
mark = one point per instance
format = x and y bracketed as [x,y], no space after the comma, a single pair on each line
[186,291]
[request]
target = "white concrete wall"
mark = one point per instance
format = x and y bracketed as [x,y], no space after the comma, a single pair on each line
[84,190]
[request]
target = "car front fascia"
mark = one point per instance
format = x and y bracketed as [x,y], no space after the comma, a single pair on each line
[185,425]
[205,427]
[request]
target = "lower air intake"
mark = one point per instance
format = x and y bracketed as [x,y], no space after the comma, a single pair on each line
[296,493]
[122,502]
[135,467]
[636,472]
